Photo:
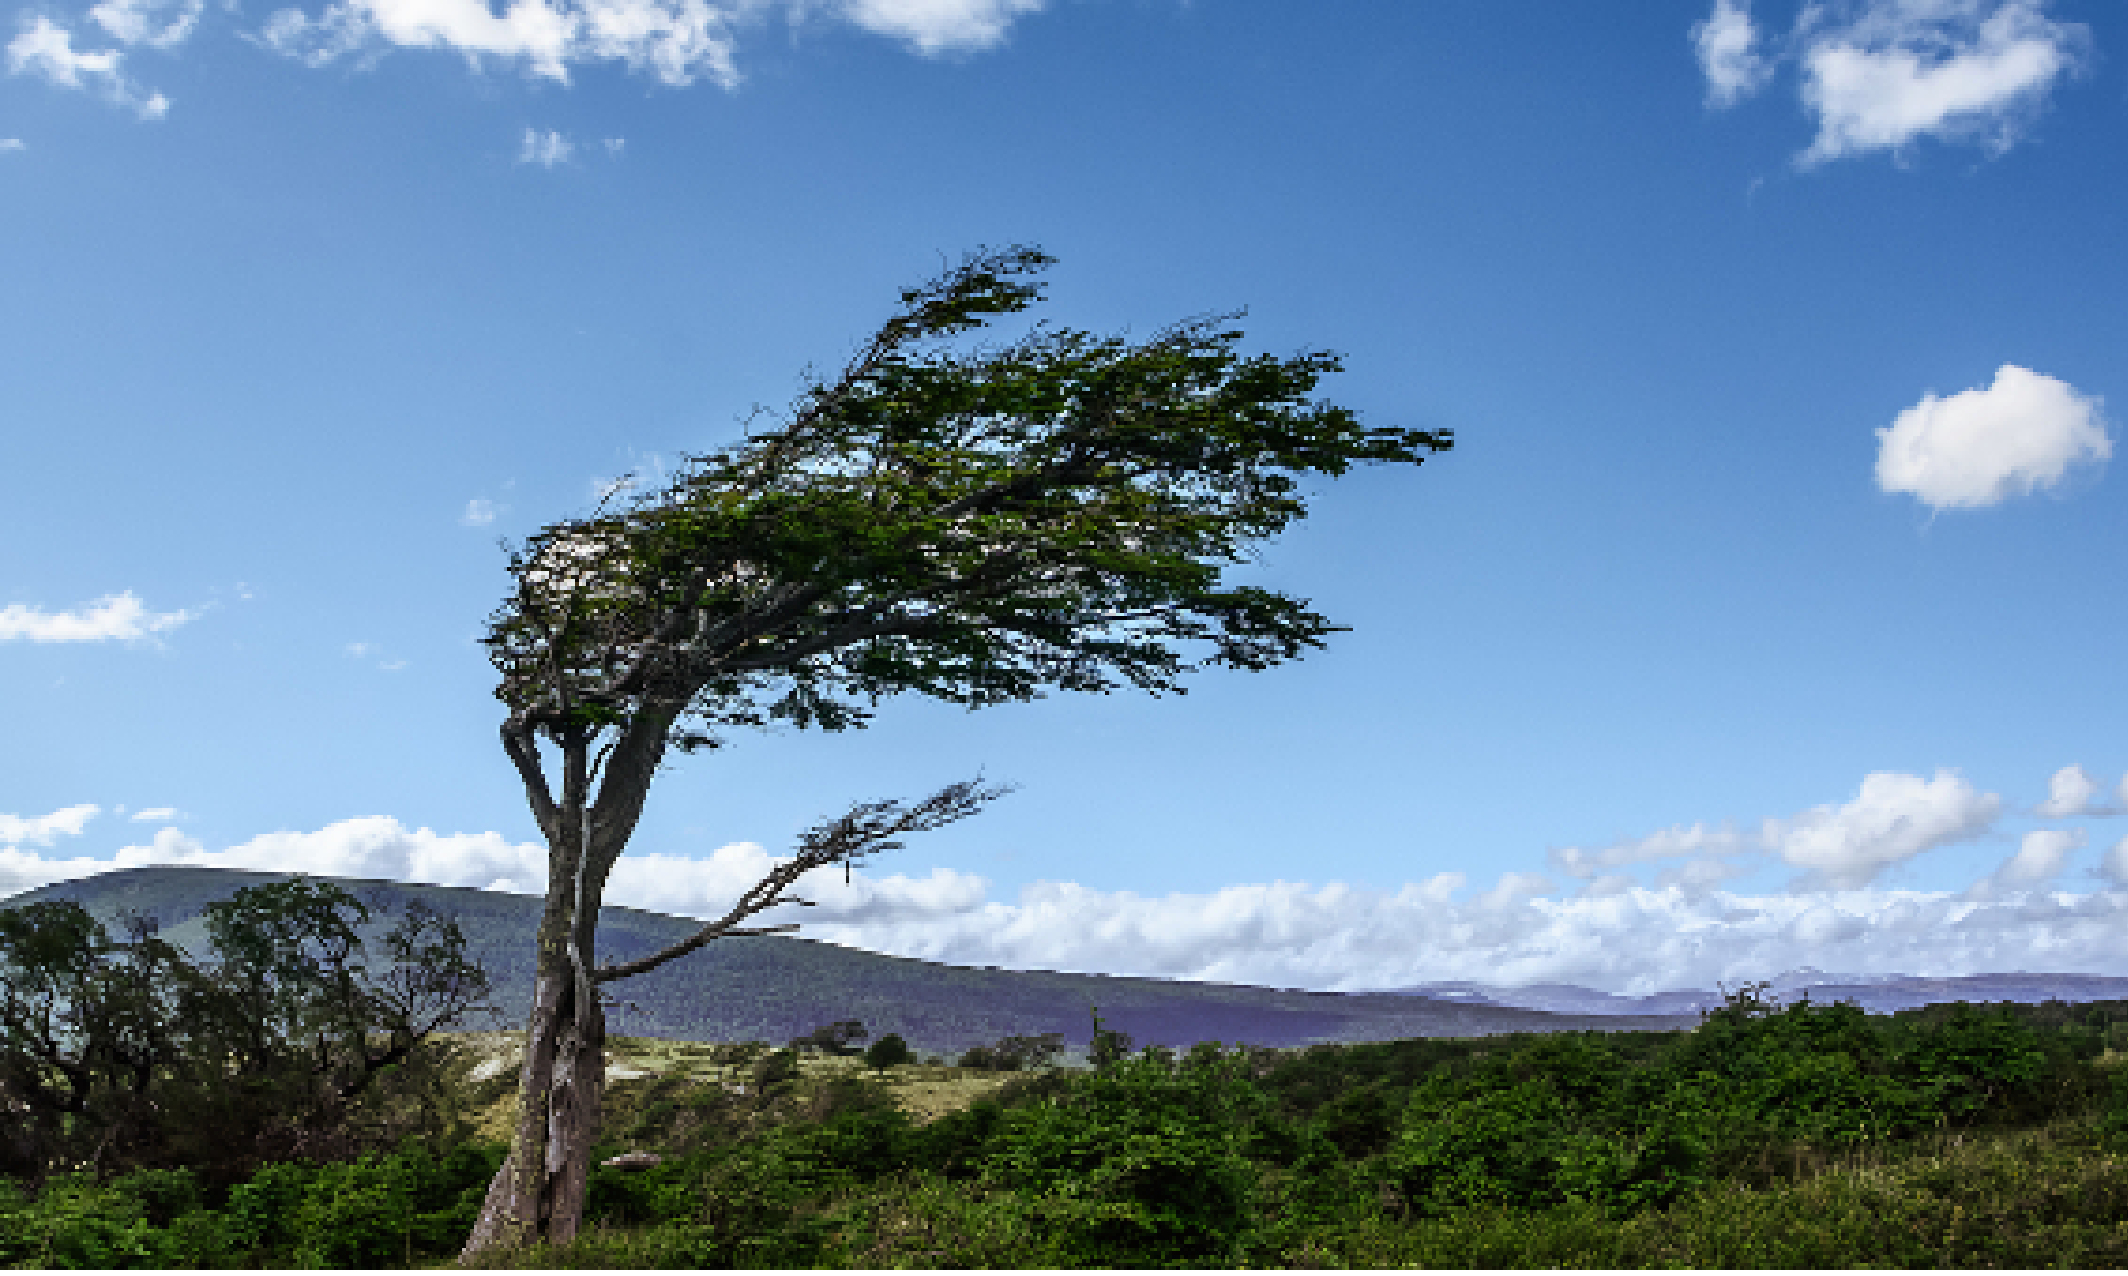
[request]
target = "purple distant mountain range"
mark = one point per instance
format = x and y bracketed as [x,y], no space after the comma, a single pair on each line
[1880,994]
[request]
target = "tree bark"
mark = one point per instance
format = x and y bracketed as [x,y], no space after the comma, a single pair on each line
[538,1194]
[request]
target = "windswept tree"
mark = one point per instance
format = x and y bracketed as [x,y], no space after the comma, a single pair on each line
[978,524]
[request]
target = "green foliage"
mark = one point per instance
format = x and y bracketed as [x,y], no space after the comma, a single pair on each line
[972,524]
[122,1054]
[1012,1054]
[890,1051]
[833,1039]
[380,1210]
[1577,1150]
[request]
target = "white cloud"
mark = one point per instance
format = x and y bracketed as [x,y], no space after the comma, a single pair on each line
[45,829]
[160,23]
[48,50]
[615,145]
[1880,75]
[157,813]
[1622,937]
[1955,70]
[2069,795]
[1671,843]
[1979,447]
[112,616]
[1728,47]
[2039,859]
[1893,818]
[2113,865]
[546,149]
[677,41]
[478,513]
[10,144]
[939,26]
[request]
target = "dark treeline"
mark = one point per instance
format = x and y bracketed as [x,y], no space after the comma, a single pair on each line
[288,1039]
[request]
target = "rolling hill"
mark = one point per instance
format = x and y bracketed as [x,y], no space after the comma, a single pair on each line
[775,987]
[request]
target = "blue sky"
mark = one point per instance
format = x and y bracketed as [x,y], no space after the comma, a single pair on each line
[1767,613]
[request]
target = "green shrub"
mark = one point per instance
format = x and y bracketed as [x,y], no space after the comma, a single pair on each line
[890,1051]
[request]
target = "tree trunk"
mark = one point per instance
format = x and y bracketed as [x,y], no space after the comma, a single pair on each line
[538,1194]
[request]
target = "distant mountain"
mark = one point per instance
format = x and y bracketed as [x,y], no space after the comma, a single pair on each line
[776,987]
[1879,994]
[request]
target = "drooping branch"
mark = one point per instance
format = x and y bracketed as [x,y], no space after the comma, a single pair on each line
[865,829]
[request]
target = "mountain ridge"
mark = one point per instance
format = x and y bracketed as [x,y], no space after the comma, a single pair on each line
[776,987]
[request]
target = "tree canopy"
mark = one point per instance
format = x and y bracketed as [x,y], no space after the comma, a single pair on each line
[973,523]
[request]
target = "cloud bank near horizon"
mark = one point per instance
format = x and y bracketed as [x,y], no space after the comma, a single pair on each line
[1614,931]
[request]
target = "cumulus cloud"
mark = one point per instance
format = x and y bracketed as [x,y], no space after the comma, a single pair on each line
[478,513]
[1955,70]
[545,149]
[47,50]
[1980,447]
[1615,935]
[112,616]
[2070,793]
[1727,43]
[1893,818]
[677,41]
[10,144]
[1880,75]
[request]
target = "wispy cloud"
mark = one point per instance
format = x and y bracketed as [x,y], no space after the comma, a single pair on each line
[158,23]
[1980,447]
[1880,75]
[47,50]
[545,149]
[2041,856]
[113,616]
[155,814]
[478,513]
[1891,819]
[46,829]
[1727,43]
[10,144]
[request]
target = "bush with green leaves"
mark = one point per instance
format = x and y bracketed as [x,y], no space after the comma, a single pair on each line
[1144,1164]
[890,1051]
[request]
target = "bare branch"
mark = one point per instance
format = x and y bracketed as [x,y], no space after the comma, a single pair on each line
[865,829]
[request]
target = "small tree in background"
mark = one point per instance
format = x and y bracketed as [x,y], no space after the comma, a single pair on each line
[833,1039]
[889,1051]
[1012,1054]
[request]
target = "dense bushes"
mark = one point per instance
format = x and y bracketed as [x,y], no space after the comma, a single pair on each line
[1701,1148]
[376,1211]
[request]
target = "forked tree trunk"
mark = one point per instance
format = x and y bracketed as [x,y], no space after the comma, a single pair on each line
[538,1194]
